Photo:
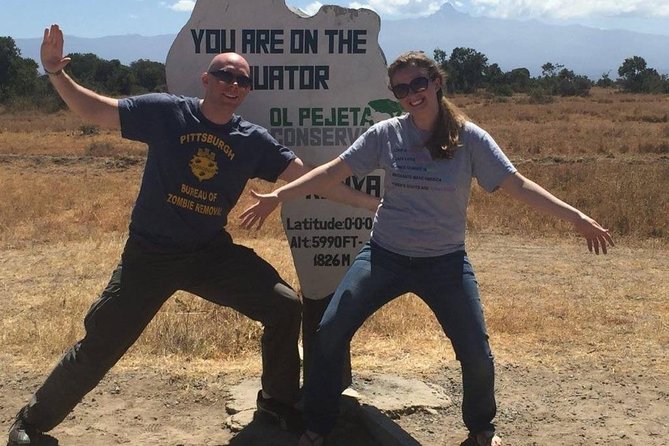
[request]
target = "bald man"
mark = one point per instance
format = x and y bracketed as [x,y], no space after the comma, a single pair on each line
[200,156]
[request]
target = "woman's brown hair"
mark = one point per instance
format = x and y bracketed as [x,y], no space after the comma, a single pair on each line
[445,137]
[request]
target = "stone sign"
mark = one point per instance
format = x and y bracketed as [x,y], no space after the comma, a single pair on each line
[318,83]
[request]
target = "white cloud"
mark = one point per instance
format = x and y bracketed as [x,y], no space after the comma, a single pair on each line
[386,8]
[312,8]
[401,8]
[183,5]
[567,9]
[508,9]
[517,9]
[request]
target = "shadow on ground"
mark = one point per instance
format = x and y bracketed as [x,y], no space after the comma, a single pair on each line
[352,429]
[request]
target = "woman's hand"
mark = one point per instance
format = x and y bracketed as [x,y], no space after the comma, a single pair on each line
[256,214]
[596,236]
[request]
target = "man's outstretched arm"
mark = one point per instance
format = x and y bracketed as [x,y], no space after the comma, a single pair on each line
[90,106]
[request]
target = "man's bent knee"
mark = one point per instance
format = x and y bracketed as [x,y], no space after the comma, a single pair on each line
[289,303]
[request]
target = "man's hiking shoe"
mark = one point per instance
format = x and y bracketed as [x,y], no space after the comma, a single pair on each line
[20,433]
[483,438]
[288,417]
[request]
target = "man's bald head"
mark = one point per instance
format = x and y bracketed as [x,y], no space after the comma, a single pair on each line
[229,60]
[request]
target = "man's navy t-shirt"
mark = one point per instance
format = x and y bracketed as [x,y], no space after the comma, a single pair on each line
[195,169]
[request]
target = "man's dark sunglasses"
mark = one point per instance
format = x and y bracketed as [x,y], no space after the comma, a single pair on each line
[229,78]
[416,85]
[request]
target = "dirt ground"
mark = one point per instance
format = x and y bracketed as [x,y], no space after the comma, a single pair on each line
[610,389]
[613,393]
[582,404]
[581,342]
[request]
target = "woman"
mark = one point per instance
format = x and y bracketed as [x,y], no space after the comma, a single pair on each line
[430,154]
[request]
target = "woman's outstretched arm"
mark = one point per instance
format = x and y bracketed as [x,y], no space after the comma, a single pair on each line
[539,198]
[325,180]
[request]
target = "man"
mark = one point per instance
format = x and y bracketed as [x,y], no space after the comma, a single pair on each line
[200,156]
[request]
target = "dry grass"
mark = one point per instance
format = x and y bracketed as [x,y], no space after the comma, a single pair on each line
[67,194]
[605,124]
[546,300]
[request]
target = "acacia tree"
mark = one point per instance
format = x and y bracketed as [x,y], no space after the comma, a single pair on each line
[605,81]
[99,74]
[558,80]
[22,85]
[519,79]
[440,57]
[150,75]
[494,76]
[113,78]
[467,69]
[637,77]
[570,84]
[18,76]
[550,69]
[632,72]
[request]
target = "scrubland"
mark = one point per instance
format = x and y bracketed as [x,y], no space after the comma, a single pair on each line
[67,190]
[66,184]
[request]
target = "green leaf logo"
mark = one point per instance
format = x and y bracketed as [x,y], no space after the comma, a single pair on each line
[386,106]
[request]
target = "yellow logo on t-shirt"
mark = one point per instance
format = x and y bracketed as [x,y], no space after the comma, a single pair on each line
[203,165]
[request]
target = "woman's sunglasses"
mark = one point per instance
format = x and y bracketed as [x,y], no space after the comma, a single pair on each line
[229,78]
[416,85]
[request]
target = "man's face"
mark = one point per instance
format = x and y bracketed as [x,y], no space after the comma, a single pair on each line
[227,80]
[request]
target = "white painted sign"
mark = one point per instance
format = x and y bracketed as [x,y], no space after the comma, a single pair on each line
[318,83]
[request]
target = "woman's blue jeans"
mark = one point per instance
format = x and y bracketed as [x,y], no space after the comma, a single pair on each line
[447,285]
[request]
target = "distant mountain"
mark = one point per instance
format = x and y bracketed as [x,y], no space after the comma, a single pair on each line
[127,48]
[528,44]
[509,43]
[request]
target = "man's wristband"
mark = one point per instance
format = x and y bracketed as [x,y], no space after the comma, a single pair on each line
[53,73]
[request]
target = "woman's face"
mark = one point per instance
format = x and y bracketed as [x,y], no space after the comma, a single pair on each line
[421,96]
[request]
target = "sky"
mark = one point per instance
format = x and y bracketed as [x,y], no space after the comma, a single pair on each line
[91,18]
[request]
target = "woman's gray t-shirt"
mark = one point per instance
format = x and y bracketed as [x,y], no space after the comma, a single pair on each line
[423,212]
